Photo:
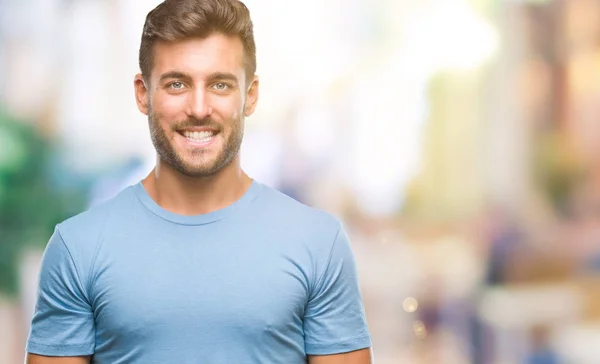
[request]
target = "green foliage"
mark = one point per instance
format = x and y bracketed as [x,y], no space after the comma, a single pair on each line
[557,169]
[30,206]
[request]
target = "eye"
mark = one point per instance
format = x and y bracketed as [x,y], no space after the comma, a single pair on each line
[220,86]
[176,85]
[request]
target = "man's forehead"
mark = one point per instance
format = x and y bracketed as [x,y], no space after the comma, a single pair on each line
[199,56]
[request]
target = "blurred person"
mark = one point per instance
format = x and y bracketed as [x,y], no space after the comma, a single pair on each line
[542,350]
[502,236]
[198,262]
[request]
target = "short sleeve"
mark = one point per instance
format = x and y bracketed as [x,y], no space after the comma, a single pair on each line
[63,322]
[334,320]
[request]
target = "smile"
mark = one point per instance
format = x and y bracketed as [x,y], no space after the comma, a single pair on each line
[200,137]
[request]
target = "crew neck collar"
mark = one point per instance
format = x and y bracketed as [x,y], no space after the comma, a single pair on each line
[201,219]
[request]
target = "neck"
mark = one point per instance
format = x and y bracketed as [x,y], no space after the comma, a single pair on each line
[186,195]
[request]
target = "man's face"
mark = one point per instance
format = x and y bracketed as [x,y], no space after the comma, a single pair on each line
[196,99]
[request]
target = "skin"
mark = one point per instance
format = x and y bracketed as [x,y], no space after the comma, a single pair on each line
[38,359]
[199,84]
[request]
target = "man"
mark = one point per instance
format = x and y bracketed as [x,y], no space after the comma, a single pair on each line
[198,263]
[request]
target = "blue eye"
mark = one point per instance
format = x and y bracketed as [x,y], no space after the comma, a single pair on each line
[176,85]
[220,86]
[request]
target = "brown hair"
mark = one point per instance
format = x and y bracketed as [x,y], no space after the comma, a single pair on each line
[174,20]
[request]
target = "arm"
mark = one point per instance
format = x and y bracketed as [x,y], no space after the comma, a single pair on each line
[62,327]
[335,326]
[38,359]
[363,356]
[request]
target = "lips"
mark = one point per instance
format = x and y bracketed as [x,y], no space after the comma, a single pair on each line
[198,136]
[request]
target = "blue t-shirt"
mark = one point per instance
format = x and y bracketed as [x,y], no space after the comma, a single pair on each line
[264,280]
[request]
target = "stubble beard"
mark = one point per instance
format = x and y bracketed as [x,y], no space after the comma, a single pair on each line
[196,164]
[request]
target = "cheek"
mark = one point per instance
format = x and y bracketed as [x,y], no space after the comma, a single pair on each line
[228,108]
[169,108]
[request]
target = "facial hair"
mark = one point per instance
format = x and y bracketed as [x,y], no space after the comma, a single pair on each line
[195,163]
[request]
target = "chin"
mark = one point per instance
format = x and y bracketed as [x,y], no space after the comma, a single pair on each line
[197,172]
[200,165]
[204,170]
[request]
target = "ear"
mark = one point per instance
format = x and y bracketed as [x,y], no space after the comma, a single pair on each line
[251,97]
[141,94]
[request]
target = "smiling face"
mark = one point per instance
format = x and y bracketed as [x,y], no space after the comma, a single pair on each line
[196,99]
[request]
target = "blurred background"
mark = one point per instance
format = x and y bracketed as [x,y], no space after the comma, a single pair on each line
[458,140]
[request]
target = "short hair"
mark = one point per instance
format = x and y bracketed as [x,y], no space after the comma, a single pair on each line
[174,20]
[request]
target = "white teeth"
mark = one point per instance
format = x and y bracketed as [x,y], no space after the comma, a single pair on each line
[198,136]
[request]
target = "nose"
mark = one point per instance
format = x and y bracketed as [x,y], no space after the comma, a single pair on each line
[199,104]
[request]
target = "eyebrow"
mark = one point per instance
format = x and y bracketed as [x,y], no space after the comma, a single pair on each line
[174,74]
[225,76]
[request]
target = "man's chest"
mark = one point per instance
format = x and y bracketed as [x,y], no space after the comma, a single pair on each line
[169,290]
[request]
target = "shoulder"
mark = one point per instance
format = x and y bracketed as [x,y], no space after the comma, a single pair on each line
[278,204]
[83,232]
[296,218]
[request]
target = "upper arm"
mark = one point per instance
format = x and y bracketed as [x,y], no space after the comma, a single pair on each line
[334,319]
[363,356]
[63,322]
[38,359]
